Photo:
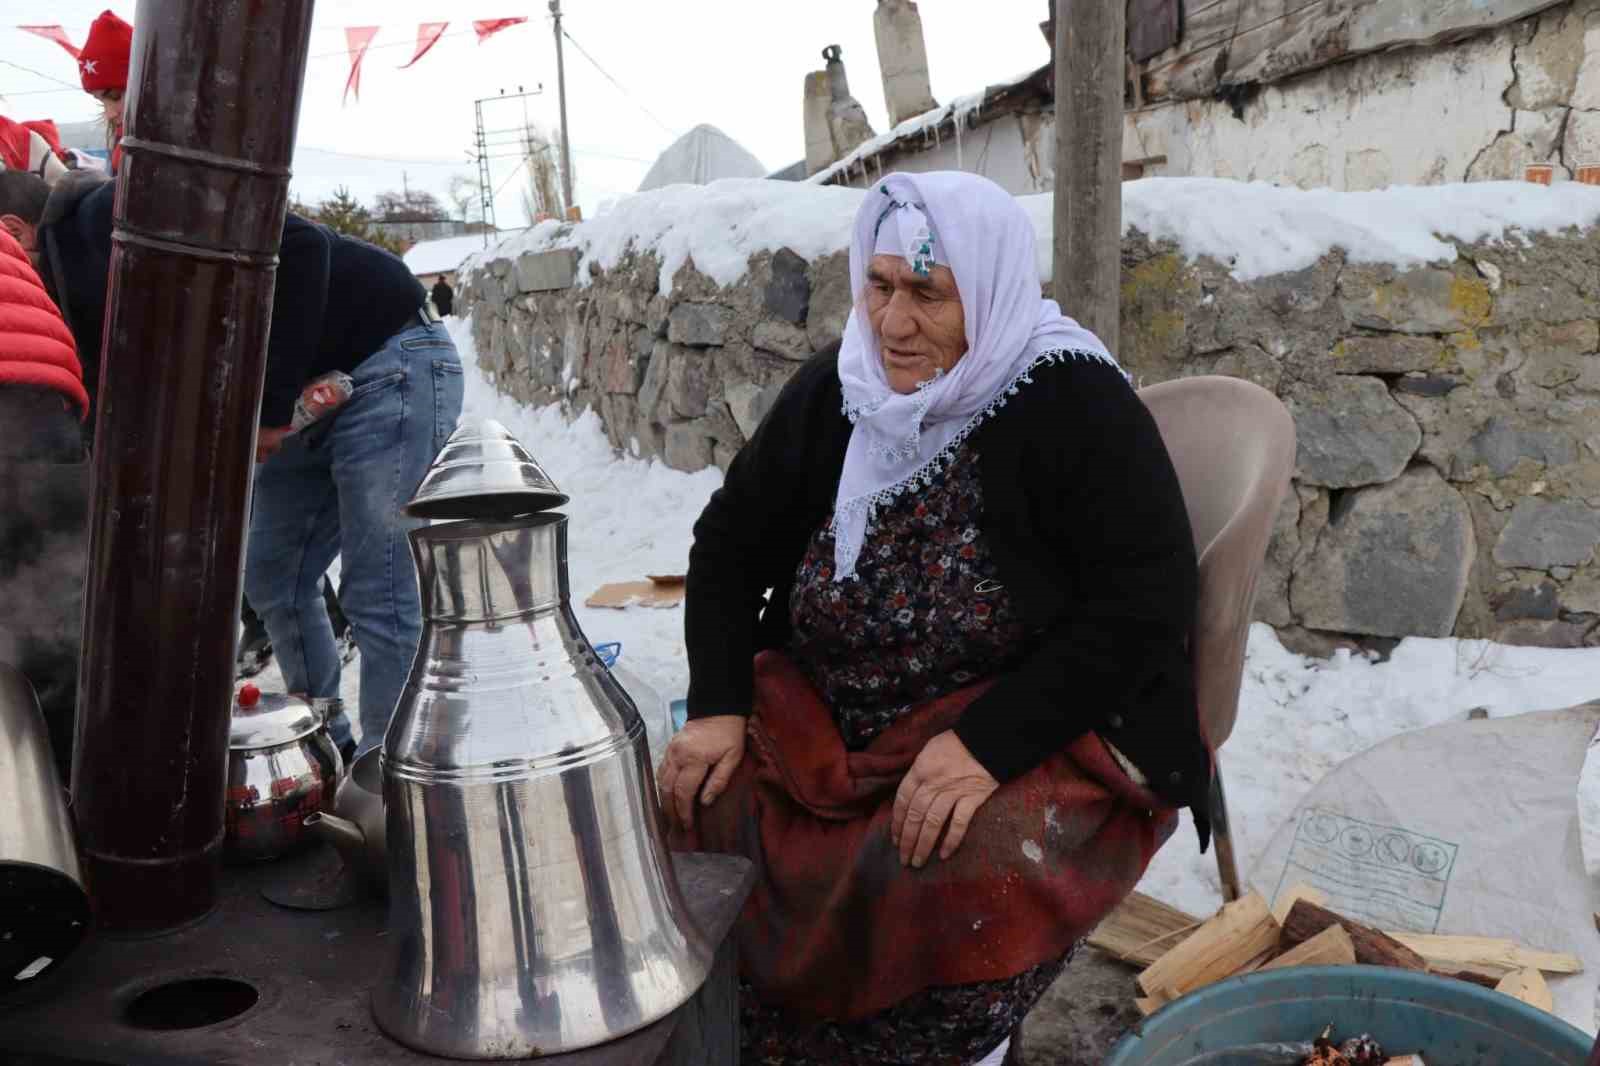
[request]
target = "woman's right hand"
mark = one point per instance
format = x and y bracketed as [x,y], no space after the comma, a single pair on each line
[700,761]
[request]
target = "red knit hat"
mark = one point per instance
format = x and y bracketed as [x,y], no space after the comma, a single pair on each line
[103,63]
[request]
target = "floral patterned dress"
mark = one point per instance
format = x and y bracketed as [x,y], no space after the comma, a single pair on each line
[925,615]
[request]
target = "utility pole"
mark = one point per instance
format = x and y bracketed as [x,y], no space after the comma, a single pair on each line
[1088,193]
[561,90]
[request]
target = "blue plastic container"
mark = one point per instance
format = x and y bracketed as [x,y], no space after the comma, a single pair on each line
[1448,1022]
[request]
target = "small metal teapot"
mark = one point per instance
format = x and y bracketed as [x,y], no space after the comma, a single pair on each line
[356,826]
[282,767]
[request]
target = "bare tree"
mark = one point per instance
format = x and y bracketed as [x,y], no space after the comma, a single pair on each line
[465,197]
[541,156]
[411,205]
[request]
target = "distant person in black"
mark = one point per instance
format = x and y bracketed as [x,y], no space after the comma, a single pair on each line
[444,297]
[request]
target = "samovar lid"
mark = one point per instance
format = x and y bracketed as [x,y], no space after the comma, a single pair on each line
[484,472]
[268,719]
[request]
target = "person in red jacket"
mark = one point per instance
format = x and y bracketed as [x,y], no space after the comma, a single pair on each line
[103,70]
[44,483]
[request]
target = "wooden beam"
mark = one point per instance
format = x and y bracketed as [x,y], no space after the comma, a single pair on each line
[1142,929]
[1087,253]
[1234,938]
[1479,953]
[1306,920]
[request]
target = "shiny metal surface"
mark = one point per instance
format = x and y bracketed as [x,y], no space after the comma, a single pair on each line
[483,472]
[356,825]
[532,904]
[282,767]
[44,909]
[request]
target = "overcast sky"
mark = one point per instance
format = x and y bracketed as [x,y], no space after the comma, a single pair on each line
[667,67]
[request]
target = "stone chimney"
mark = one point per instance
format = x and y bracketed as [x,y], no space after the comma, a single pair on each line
[847,122]
[819,139]
[903,58]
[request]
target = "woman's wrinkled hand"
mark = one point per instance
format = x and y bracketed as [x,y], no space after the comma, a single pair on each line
[945,785]
[700,761]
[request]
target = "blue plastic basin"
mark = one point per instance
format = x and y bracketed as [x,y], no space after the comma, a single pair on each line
[1449,1022]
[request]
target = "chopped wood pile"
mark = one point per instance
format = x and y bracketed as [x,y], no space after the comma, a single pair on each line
[1179,953]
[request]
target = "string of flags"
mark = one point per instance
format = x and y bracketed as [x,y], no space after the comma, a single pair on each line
[357,40]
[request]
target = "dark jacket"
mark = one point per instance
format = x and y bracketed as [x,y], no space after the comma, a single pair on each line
[1086,520]
[444,297]
[336,301]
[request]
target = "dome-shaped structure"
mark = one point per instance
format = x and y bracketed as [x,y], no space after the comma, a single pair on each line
[699,157]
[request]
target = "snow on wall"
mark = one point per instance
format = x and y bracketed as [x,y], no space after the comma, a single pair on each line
[1258,229]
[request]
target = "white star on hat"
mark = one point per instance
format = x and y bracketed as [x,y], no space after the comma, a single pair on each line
[88,65]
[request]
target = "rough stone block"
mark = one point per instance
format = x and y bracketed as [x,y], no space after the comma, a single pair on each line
[1582,595]
[1272,592]
[780,338]
[831,300]
[1388,354]
[654,383]
[1430,385]
[1551,634]
[1545,533]
[1501,444]
[1540,603]
[698,325]
[688,383]
[788,293]
[620,370]
[1426,300]
[1081,1016]
[1394,561]
[500,267]
[687,448]
[1351,433]
[722,455]
[547,271]
[749,404]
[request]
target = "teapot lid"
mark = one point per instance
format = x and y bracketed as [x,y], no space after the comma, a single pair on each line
[484,473]
[268,719]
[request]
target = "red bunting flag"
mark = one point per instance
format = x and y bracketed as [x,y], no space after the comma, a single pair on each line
[53,33]
[358,38]
[428,34]
[487,28]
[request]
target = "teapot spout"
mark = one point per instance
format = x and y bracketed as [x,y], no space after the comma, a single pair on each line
[340,832]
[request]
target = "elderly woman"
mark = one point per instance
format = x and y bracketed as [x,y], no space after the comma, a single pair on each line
[957,729]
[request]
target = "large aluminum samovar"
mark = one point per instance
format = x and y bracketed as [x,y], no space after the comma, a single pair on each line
[533,908]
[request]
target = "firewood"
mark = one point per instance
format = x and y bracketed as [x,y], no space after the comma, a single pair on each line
[1373,948]
[1148,1005]
[1529,986]
[1238,933]
[1142,929]
[1406,1060]
[1286,902]
[1486,954]
[1257,963]
[1331,947]
[1481,980]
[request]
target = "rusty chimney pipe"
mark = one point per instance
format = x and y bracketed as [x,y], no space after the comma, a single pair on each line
[214,95]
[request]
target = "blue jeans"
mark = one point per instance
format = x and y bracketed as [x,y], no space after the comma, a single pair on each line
[337,489]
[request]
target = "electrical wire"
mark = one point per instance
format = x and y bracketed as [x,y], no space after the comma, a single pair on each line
[42,74]
[634,100]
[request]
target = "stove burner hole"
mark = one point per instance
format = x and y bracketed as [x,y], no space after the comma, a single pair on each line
[191,1003]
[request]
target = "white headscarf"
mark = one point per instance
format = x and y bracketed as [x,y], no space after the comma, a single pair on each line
[981,233]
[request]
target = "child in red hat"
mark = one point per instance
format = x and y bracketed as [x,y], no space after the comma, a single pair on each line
[103,69]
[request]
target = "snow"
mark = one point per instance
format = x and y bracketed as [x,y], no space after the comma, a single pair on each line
[443,255]
[1255,228]
[720,226]
[699,157]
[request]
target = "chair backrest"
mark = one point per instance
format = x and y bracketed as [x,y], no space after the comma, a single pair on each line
[1233,446]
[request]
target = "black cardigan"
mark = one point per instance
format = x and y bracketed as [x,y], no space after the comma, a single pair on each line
[1086,521]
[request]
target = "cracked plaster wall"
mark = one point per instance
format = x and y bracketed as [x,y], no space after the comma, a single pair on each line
[1480,109]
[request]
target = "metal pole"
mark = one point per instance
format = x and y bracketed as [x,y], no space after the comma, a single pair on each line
[213,100]
[1088,190]
[561,89]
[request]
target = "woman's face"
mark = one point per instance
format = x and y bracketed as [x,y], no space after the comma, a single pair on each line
[919,322]
[111,100]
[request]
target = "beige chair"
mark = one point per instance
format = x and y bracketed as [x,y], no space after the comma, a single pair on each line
[1233,445]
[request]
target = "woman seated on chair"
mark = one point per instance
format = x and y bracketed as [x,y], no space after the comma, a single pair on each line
[956,732]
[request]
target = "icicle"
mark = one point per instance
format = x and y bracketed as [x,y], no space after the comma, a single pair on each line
[960,164]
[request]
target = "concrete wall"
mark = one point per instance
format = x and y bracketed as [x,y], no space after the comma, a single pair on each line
[1448,477]
[1016,151]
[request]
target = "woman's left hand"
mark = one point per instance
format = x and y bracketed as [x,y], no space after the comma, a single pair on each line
[944,784]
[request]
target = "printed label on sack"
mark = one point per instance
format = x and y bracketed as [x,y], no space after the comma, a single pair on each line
[1384,876]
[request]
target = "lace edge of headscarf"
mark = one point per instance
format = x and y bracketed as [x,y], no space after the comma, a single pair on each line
[845,558]
[906,449]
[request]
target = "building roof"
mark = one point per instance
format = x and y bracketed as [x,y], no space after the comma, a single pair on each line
[931,126]
[701,156]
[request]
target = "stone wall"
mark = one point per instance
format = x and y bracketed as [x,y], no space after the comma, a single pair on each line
[1448,477]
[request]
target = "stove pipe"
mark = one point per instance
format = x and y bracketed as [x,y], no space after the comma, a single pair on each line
[214,94]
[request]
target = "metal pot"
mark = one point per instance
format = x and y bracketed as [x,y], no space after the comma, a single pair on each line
[532,904]
[356,826]
[44,910]
[282,767]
